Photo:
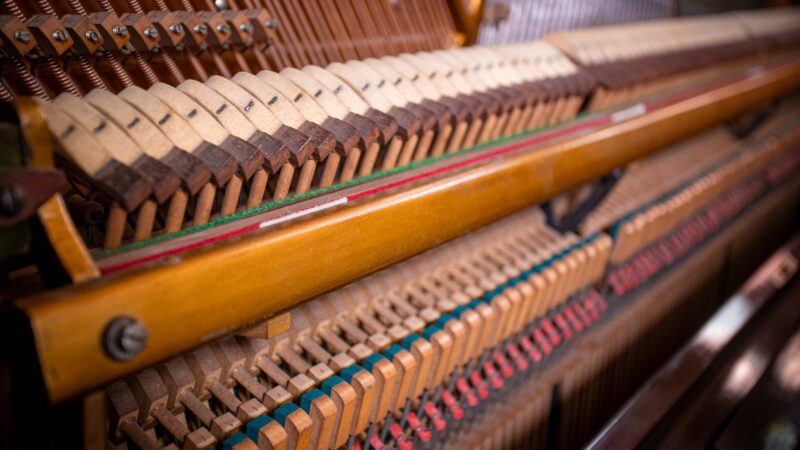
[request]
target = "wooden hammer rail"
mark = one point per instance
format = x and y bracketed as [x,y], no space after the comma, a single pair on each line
[69,323]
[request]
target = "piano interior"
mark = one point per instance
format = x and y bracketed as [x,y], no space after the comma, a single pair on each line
[399,224]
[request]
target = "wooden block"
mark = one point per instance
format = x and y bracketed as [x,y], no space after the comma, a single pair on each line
[268,433]
[276,397]
[124,184]
[123,407]
[239,441]
[224,426]
[299,384]
[406,366]
[443,346]
[192,171]
[182,135]
[247,156]
[366,388]
[459,333]
[297,424]
[323,413]
[344,397]
[199,439]
[250,409]
[150,392]
[386,377]
[423,353]
[319,373]
[274,152]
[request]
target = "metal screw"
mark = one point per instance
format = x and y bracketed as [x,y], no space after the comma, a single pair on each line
[271,24]
[151,32]
[176,28]
[200,29]
[246,28]
[92,36]
[12,200]
[23,36]
[124,338]
[223,28]
[221,5]
[60,35]
[119,30]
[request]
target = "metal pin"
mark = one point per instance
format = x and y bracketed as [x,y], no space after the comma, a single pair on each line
[60,35]
[421,409]
[387,423]
[406,411]
[92,36]
[22,35]
[151,32]
[370,433]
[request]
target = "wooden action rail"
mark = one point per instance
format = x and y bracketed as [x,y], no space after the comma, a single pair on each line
[433,318]
[68,324]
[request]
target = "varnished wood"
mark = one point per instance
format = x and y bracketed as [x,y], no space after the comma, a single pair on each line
[211,276]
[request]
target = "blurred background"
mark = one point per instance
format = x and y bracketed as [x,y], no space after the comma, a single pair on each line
[521,20]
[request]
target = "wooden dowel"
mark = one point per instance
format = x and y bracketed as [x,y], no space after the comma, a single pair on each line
[115,226]
[258,186]
[305,177]
[369,159]
[284,182]
[177,210]
[350,165]
[330,169]
[231,198]
[204,203]
[145,219]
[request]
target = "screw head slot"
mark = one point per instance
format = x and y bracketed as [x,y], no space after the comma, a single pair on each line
[124,338]
[151,32]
